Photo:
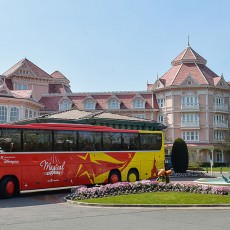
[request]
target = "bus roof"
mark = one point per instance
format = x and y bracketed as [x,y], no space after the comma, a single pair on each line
[65,126]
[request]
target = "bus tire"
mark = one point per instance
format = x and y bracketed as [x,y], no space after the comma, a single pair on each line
[114,177]
[133,175]
[9,187]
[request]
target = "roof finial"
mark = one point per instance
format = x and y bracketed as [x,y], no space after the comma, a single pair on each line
[188,41]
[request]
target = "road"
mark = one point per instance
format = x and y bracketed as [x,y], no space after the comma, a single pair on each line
[48,211]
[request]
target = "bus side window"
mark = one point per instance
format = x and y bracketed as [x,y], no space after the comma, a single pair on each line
[111,141]
[10,140]
[151,141]
[130,141]
[36,140]
[65,140]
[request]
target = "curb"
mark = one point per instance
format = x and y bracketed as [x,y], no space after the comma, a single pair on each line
[149,205]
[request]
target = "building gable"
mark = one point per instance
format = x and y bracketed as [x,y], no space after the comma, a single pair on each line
[189,81]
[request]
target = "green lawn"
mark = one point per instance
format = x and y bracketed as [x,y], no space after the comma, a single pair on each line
[217,169]
[163,198]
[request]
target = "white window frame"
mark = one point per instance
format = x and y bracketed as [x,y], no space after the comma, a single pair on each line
[190,136]
[219,119]
[219,100]
[14,114]
[190,117]
[113,104]
[219,135]
[219,157]
[65,105]
[138,103]
[161,118]
[89,104]
[190,100]
[21,86]
[161,102]
[3,114]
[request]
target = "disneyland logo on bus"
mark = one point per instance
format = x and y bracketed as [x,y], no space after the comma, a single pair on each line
[9,160]
[52,169]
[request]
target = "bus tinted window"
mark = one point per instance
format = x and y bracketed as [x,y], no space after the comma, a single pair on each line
[111,141]
[37,140]
[65,140]
[88,141]
[150,141]
[130,141]
[10,140]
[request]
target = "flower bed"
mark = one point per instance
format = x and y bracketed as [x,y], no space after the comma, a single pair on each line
[123,188]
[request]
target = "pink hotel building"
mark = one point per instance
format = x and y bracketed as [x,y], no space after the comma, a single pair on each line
[189,98]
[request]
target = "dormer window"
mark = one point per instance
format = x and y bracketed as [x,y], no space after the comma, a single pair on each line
[113,104]
[65,105]
[189,83]
[89,104]
[138,103]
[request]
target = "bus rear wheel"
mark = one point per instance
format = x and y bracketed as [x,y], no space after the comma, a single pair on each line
[9,187]
[133,175]
[114,177]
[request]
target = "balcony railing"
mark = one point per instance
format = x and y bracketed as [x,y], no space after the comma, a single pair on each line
[223,125]
[190,107]
[192,124]
[221,108]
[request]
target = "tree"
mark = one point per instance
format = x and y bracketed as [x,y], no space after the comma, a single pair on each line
[179,156]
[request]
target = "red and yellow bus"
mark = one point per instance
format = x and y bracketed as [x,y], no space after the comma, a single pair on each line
[42,156]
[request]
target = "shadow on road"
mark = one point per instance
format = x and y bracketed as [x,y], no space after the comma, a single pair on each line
[32,199]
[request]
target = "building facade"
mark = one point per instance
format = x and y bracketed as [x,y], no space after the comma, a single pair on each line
[193,102]
[190,99]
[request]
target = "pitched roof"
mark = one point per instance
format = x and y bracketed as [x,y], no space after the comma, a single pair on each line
[22,93]
[188,55]
[59,88]
[189,63]
[35,70]
[101,100]
[75,114]
[58,74]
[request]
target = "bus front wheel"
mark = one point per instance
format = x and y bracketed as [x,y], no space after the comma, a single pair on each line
[133,175]
[9,187]
[114,177]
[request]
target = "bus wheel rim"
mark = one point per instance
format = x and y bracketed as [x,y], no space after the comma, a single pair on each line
[10,187]
[132,177]
[114,178]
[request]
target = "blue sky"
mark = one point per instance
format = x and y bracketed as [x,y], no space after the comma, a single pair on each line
[113,45]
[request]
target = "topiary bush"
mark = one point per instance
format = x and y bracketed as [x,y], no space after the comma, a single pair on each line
[179,156]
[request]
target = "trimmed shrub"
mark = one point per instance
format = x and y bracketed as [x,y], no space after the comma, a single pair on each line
[179,156]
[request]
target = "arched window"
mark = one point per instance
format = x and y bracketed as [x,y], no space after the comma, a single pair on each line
[114,104]
[3,114]
[89,104]
[26,113]
[65,105]
[30,113]
[14,114]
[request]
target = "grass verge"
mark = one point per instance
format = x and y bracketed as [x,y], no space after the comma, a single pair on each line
[217,169]
[163,198]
